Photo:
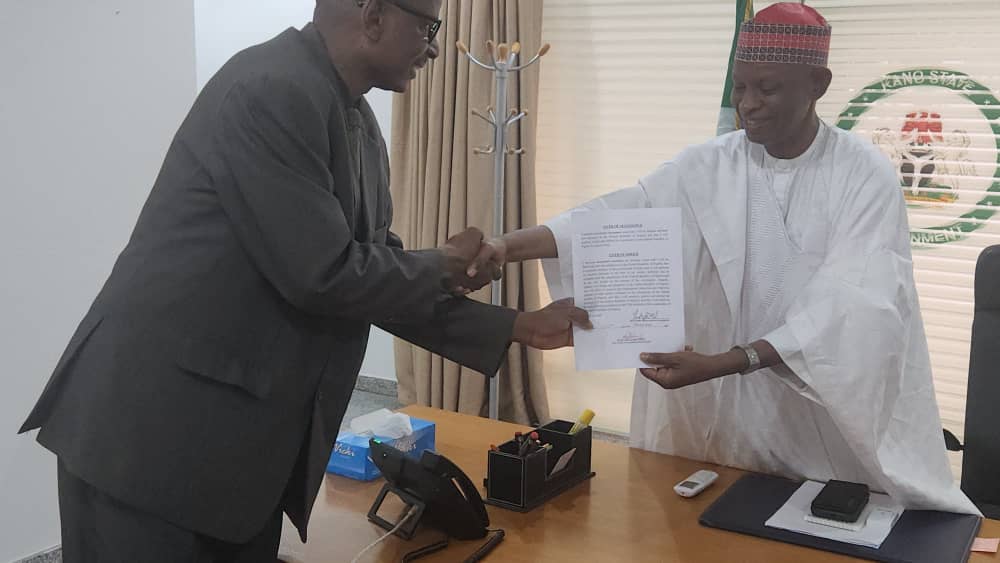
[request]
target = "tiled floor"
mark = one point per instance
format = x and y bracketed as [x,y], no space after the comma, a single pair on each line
[52,556]
[364,402]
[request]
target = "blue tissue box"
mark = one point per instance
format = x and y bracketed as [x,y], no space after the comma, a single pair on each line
[351,454]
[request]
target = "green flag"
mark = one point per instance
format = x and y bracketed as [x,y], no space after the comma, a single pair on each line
[728,121]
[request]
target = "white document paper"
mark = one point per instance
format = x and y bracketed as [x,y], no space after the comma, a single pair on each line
[875,522]
[628,275]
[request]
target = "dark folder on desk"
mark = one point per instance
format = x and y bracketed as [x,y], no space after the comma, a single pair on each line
[918,537]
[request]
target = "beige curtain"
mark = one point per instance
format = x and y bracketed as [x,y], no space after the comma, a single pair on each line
[439,187]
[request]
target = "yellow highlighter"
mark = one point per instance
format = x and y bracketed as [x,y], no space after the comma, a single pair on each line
[584,421]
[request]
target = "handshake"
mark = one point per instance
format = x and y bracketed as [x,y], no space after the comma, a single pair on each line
[470,262]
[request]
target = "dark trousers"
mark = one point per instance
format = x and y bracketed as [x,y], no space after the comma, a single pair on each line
[99,529]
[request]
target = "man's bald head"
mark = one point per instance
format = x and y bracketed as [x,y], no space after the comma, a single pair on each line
[378,43]
[336,7]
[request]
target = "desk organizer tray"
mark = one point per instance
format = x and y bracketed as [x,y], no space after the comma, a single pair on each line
[521,484]
[920,536]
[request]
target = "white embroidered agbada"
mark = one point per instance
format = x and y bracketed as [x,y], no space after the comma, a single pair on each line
[813,255]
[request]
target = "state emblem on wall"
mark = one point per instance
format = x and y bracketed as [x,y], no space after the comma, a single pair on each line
[941,130]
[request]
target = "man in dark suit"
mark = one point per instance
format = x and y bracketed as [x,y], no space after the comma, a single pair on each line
[202,393]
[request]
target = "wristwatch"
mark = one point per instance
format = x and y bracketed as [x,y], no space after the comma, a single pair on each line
[753,359]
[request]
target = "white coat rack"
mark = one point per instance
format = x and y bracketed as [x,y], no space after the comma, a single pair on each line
[502,64]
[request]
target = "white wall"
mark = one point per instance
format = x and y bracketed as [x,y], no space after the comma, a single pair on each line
[91,95]
[223,27]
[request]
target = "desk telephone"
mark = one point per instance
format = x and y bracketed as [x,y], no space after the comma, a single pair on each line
[441,495]
[445,496]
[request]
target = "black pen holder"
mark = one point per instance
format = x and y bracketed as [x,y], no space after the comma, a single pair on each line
[522,483]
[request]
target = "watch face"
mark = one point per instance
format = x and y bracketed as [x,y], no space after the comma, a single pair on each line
[753,359]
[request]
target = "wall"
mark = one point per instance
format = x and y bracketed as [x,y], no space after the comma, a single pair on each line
[91,94]
[223,27]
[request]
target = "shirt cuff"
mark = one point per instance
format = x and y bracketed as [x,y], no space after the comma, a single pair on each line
[793,370]
[559,270]
[784,342]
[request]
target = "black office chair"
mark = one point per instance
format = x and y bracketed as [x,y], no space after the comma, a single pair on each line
[981,457]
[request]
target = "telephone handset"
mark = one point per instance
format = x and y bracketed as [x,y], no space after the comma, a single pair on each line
[444,467]
[443,494]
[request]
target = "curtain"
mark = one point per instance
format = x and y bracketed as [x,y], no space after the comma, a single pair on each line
[440,187]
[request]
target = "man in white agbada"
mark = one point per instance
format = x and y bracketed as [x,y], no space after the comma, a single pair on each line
[797,269]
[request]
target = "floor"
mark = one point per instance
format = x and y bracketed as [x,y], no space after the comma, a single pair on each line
[364,402]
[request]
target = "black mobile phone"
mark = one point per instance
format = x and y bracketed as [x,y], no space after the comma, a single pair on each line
[841,500]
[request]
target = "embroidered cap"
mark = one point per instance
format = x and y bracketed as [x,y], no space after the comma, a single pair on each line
[786,32]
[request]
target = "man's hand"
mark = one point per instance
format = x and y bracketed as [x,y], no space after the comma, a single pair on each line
[460,252]
[681,369]
[491,257]
[550,327]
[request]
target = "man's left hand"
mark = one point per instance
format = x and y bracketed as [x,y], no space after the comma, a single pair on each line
[550,327]
[681,369]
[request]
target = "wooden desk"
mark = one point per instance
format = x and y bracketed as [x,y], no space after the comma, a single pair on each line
[629,512]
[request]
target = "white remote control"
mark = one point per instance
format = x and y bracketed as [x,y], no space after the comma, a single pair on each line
[696,483]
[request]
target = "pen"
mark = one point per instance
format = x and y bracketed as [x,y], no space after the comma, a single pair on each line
[480,553]
[522,449]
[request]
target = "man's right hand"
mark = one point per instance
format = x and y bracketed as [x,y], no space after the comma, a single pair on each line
[492,256]
[460,252]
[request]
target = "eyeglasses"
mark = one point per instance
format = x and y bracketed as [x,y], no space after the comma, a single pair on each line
[434,24]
